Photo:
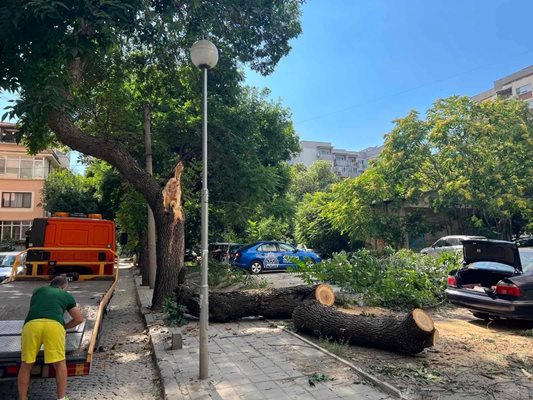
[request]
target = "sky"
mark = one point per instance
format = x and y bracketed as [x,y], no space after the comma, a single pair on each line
[360,64]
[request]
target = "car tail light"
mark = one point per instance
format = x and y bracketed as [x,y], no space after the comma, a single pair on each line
[452,281]
[508,289]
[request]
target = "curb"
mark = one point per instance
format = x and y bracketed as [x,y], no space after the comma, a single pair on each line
[384,386]
[158,335]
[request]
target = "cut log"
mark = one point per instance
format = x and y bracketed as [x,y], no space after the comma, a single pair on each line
[268,303]
[409,335]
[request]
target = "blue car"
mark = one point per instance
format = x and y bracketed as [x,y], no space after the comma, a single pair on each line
[268,256]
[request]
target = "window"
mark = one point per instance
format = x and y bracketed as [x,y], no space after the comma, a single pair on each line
[22,167]
[286,247]
[38,168]
[440,243]
[14,229]
[523,89]
[268,247]
[12,168]
[26,168]
[340,158]
[16,200]
[453,242]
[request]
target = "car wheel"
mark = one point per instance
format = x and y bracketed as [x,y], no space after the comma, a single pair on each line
[256,267]
[481,315]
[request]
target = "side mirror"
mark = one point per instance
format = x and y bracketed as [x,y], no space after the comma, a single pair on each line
[123,238]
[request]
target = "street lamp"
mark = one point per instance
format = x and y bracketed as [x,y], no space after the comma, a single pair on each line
[204,55]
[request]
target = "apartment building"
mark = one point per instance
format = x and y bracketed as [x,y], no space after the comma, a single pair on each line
[21,182]
[519,85]
[345,163]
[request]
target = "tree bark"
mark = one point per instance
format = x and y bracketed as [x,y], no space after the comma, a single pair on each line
[143,259]
[170,253]
[268,303]
[410,335]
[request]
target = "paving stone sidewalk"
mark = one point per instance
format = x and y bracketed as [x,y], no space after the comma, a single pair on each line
[252,360]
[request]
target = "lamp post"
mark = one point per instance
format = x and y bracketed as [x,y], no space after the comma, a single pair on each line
[204,55]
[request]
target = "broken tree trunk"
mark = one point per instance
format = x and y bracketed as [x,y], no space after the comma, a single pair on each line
[268,303]
[410,335]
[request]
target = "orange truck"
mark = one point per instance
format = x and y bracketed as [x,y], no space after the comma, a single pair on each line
[84,250]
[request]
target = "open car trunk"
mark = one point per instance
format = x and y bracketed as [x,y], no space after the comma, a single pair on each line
[489,261]
[472,278]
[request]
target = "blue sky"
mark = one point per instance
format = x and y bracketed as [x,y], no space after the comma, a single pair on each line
[360,64]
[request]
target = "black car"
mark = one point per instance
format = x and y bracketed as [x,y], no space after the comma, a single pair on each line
[222,251]
[495,281]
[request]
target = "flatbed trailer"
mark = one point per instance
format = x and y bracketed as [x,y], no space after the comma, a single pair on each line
[92,294]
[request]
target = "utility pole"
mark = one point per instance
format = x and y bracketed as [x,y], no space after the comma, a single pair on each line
[152,258]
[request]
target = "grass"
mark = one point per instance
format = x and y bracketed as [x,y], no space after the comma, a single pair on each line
[316,378]
[527,333]
[339,348]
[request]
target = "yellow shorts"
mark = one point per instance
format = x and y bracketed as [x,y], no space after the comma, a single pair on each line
[45,332]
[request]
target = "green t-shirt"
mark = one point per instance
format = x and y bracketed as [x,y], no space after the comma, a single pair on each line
[50,303]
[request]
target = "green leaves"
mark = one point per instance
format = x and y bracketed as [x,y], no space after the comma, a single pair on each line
[397,280]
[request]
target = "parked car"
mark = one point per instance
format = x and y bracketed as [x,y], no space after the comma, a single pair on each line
[220,251]
[525,242]
[233,249]
[190,255]
[270,255]
[450,244]
[7,259]
[495,281]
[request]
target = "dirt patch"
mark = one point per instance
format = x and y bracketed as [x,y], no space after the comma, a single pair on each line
[474,359]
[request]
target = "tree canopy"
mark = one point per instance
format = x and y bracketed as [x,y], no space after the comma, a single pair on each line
[317,178]
[469,161]
[85,70]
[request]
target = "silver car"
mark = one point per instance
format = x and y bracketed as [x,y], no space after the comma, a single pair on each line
[450,244]
[7,259]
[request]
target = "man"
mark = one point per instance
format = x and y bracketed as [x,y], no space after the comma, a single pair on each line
[44,325]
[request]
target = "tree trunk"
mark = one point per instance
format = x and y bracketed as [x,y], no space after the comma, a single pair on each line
[410,335]
[143,259]
[269,303]
[170,252]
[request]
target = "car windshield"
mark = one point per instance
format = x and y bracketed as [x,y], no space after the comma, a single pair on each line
[7,261]
[526,259]
[490,265]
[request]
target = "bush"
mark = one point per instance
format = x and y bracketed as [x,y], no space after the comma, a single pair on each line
[176,312]
[397,280]
[7,244]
